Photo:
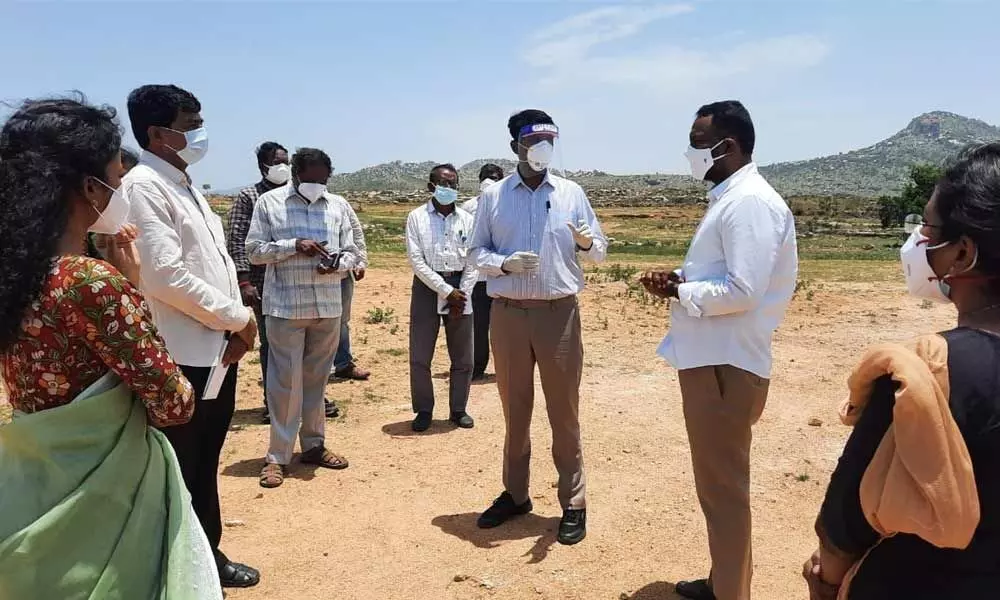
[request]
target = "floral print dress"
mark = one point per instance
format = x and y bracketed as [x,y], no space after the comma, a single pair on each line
[88,320]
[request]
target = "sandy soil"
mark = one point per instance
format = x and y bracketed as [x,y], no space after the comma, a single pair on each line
[400,522]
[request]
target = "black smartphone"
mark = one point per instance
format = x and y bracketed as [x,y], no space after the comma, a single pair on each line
[331,262]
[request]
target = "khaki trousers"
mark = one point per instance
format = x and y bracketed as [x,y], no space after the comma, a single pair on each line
[523,333]
[301,356]
[721,404]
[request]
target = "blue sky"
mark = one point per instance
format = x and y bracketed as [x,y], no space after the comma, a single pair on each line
[377,81]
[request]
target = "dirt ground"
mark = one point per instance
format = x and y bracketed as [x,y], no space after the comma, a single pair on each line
[400,522]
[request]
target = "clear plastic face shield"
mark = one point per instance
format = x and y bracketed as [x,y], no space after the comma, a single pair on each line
[538,150]
[912,222]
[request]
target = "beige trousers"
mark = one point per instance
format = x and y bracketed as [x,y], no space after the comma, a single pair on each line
[523,333]
[721,404]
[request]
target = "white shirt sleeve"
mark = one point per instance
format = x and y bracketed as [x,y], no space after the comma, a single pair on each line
[164,275]
[261,247]
[752,233]
[350,254]
[599,249]
[421,269]
[359,237]
[469,273]
[481,253]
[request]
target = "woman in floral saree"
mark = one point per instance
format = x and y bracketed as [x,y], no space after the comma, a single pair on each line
[92,503]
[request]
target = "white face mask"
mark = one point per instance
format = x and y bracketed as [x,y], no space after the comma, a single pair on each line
[196,147]
[114,216]
[279,174]
[485,184]
[312,191]
[921,281]
[701,160]
[540,155]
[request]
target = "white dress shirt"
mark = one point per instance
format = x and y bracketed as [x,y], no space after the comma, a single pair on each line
[186,273]
[435,244]
[512,217]
[739,273]
[471,206]
[293,288]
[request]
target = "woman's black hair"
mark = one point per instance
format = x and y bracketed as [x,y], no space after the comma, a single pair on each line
[47,150]
[968,203]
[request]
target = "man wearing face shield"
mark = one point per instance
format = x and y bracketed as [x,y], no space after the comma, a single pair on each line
[192,289]
[481,301]
[531,230]
[731,294]
[437,237]
[304,235]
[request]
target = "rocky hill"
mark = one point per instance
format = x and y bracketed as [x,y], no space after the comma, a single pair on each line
[882,168]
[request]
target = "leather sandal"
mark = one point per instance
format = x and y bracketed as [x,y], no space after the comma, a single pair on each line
[272,475]
[322,457]
[238,575]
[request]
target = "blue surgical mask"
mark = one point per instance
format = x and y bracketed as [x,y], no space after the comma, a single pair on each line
[445,195]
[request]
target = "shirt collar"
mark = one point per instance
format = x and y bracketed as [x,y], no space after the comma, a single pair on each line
[732,181]
[434,211]
[164,168]
[267,186]
[546,180]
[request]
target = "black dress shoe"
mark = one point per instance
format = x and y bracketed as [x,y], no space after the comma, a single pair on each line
[503,508]
[422,422]
[237,575]
[331,409]
[462,420]
[573,526]
[695,590]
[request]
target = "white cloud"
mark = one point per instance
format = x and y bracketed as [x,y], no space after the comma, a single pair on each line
[569,40]
[569,53]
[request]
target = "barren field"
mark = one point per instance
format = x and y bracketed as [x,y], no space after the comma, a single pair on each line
[400,522]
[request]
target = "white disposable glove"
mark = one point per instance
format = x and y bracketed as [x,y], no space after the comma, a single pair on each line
[582,234]
[520,262]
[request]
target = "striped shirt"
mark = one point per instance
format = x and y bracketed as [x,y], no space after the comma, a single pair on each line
[436,244]
[512,218]
[240,214]
[293,288]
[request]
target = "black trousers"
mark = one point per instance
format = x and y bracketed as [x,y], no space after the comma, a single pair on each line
[258,314]
[481,306]
[198,445]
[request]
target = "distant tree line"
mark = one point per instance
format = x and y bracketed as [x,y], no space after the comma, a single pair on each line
[892,210]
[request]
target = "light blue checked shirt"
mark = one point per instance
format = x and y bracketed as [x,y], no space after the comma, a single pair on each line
[511,218]
[293,289]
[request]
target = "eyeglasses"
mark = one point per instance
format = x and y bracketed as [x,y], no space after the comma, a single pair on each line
[913,222]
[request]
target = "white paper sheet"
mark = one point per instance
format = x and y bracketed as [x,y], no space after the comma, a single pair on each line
[217,375]
[443,307]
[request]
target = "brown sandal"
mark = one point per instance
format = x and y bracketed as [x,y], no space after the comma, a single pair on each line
[272,475]
[324,458]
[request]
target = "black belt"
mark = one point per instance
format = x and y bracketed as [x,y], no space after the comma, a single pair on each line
[448,273]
